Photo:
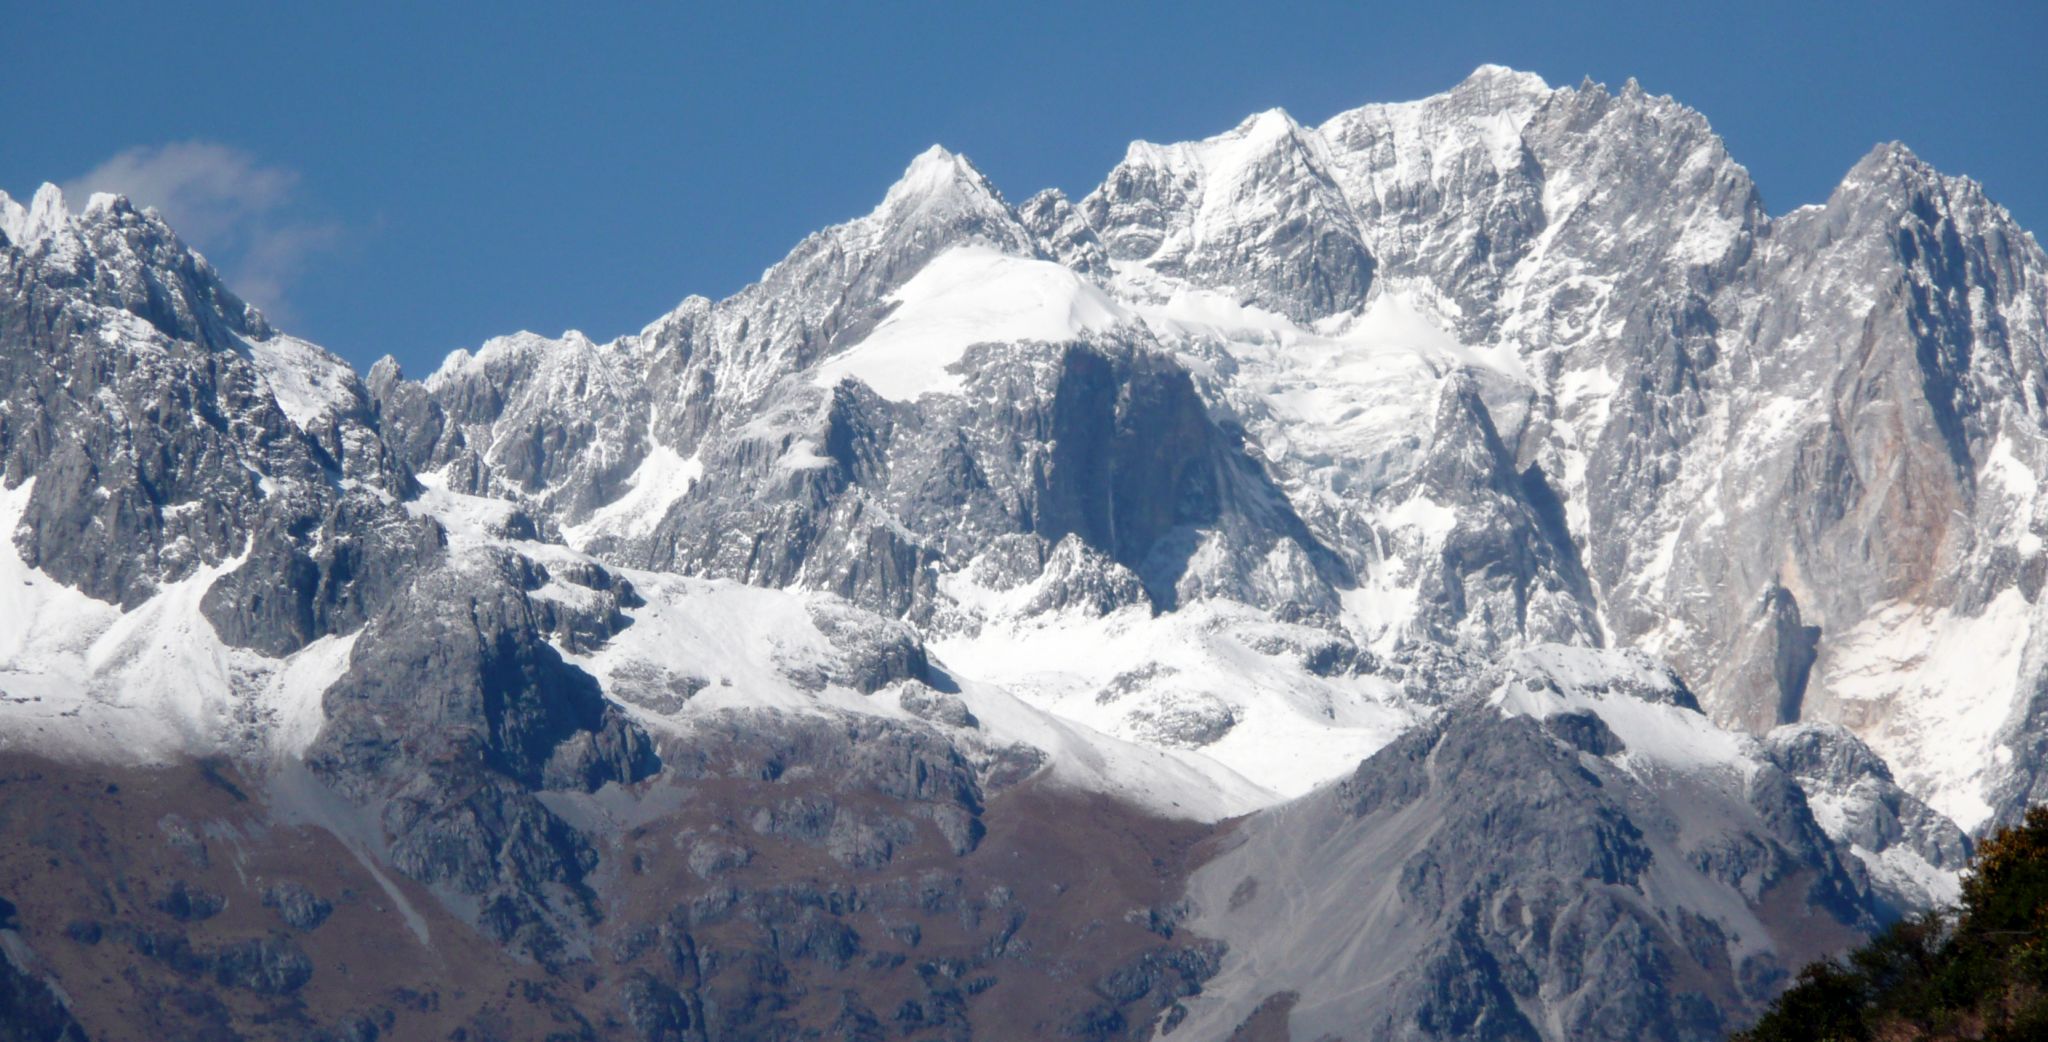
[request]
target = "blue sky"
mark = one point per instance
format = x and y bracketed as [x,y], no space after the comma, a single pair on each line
[411,181]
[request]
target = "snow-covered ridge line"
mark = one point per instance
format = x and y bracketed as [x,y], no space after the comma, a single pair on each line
[708,646]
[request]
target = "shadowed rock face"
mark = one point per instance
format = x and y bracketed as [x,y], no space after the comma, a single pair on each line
[30,1008]
[1109,443]
[455,713]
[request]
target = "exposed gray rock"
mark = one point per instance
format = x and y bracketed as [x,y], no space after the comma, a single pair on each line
[654,687]
[658,1012]
[1911,852]
[32,1008]
[265,965]
[904,762]
[1254,211]
[1186,723]
[299,907]
[183,838]
[1064,234]
[937,706]
[1514,888]
[139,397]
[710,855]
[189,904]
[454,712]
[1078,577]
[1585,731]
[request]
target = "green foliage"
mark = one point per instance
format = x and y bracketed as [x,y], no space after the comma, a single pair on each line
[1978,971]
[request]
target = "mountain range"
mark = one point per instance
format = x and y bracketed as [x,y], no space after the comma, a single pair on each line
[1465,570]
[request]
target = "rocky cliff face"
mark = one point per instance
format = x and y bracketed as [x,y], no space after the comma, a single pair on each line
[168,429]
[1529,867]
[1582,594]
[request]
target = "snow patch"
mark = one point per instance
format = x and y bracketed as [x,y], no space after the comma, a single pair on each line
[83,678]
[699,646]
[1612,684]
[968,295]
[663,477]
[1929,690]
[1213,685]
[307,381]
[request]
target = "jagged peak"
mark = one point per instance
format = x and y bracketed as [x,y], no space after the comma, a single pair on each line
[1894,173]
[1258,134]
[1635,96]
[1821,747]
[1891,168]
[1248,146]
[1270,123]
[1255,134]
[1890,156]
[570,347]
[49,211]
[1493,77]
[45,214]
[941,193]
[939,172]
[524,344]
[1046,205]
[49,199]
[1047,197]
[197,305]
[1640,111]
[385,371]
[696,305]
[1491,105]
[1223,156]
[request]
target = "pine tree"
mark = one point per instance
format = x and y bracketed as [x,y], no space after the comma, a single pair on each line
[1978,971]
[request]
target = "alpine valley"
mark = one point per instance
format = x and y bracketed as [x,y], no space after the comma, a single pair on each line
[1465,570]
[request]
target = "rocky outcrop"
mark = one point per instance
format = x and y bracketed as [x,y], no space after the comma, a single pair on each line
[145,402]
[1508,877]
[454,714]
[32,1007]
[1912,854]
[1255,212]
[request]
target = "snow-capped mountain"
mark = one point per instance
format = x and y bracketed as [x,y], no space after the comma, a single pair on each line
[1465,569]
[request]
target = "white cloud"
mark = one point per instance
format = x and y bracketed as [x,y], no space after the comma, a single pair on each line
[222,200]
